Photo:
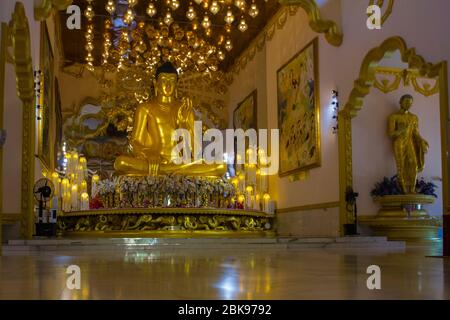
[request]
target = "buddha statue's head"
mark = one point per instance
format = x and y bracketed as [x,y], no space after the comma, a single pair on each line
[166,80]
[406,102]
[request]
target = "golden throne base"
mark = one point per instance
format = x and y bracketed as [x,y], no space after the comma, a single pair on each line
[165,222]
[394,222]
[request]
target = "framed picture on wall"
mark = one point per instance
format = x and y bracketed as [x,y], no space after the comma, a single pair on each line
[45,145]
[298,111]
[244,116]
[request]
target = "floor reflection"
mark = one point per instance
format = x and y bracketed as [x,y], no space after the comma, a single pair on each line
[181,273]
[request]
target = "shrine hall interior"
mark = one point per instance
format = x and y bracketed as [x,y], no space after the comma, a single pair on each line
[248,149]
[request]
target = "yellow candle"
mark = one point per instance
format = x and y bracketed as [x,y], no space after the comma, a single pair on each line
[74,197]
[65,184]
[83,186]
[84,201]
[55,180]
[94,185]
[249,197]
[66,205]
[266,202]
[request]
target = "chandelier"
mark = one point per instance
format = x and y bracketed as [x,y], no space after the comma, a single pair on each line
[144,33]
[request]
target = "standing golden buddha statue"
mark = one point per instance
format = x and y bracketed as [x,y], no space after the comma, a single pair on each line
[409,146]
[151,138]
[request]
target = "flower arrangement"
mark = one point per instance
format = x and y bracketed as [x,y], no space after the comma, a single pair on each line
[170,191]
[390,186]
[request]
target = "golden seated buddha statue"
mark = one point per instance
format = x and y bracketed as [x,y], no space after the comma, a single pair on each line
[151,138]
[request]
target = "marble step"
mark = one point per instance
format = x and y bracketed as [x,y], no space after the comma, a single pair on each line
[201,243]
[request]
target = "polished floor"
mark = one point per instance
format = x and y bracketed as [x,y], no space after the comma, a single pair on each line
[245,272]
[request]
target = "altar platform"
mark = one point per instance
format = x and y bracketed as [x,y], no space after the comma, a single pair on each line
[166,222]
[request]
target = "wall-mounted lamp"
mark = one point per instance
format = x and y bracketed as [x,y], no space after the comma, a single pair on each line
[38,90]
[335,108]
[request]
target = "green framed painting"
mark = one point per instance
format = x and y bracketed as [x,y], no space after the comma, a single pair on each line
[244,116]
[45,143]
[299,112]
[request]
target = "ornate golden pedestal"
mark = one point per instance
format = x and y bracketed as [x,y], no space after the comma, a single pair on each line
[402,217]
[151,222]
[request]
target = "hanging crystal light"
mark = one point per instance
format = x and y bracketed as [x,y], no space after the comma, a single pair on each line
[242,25]
[129,16]
[168,18]
[228,45]
[206,23]
[174,4]
[221,55]
[89,12]
[191,14]
[110,7]
[229,17]
[240,4]
[151,9]
[253,11]
[214,8]
[132,3]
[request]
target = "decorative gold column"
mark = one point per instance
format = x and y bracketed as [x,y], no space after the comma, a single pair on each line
[19,43]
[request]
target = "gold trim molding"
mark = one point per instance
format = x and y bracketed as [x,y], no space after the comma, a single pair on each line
[389,79]
[361,88]
[19,33]
[290,8]
[316,22]
[165,219]
[43,8]
[11,218]
[316,206]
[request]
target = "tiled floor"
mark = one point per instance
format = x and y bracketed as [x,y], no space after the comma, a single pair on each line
[252,272]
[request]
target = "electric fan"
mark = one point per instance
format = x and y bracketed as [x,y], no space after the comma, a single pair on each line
[43,192]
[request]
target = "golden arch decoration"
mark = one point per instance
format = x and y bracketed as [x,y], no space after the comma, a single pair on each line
[316,22]
[44,8]
[19,42]
[362,87]
[290,7]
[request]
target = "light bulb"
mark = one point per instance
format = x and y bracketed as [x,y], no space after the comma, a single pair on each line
[151,9]
[229,18]
[168,19]
[89,12]
[174,4]
[221,55]
[191,14]
[206,23]
[132,3]
[243,26]
[215,8]
[253,11]
[198,1]
[129,16]
[228,45]
[240,4]
[110,7]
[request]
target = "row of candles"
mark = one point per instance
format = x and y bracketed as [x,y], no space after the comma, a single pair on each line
[72,190]
[252,185]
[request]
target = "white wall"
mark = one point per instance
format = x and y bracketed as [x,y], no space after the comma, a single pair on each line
[372,149]
[422,24]
[12,150]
